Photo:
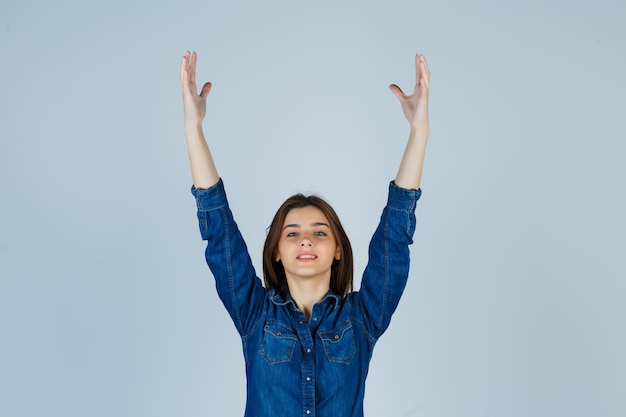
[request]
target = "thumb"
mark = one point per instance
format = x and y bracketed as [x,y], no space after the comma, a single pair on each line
[397,91]
[205,90]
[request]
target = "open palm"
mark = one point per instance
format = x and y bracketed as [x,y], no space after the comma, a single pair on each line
[415,106]
[194,104]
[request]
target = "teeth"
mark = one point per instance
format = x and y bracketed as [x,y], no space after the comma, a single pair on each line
[307,257]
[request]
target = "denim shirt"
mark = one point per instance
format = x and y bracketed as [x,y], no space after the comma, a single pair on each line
[318,367]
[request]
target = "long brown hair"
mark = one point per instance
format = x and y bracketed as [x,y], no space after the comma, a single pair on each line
[341,271]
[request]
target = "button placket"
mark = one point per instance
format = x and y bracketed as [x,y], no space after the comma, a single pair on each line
[301,326]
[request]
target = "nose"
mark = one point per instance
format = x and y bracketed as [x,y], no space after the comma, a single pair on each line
[306,242]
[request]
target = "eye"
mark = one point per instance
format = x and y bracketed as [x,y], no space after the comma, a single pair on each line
[291,234]
[320,233]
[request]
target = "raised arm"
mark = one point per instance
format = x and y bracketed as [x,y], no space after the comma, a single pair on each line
[203,171]
[386,274]
[415,108]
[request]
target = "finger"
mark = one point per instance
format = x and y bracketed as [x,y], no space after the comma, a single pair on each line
[418,68]
[205,90]
[183,66]
[426,65]
[425,71]
[192,67]
[425,81]
[397,91]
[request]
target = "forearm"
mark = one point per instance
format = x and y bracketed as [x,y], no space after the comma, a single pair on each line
[410,171]
[203,171]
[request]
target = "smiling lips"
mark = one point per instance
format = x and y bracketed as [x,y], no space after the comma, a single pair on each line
[306,257]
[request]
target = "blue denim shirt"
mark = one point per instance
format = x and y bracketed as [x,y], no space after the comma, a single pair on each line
[306,368]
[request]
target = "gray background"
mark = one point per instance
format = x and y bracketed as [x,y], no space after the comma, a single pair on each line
[515,305]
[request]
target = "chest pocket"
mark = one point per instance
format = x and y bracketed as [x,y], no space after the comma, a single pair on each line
[339,343]
[278,343]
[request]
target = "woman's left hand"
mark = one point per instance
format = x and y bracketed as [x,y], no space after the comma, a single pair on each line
[415,106]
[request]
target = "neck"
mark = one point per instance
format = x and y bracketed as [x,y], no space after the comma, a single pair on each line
[306,294]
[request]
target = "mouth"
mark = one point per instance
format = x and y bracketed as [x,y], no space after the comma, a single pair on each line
[306,257]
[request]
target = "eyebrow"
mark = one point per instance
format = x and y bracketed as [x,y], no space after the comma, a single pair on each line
[314,224]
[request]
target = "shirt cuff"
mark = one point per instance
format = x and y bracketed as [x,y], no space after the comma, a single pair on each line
[402,198]
[210,198]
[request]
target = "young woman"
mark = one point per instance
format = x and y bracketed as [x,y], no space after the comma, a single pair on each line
[307,339]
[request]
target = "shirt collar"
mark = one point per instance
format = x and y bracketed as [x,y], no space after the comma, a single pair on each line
[277,299]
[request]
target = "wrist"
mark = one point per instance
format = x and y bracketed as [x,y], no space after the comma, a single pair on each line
[192,126]
[419,133]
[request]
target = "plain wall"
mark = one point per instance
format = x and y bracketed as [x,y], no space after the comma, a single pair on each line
[515,304]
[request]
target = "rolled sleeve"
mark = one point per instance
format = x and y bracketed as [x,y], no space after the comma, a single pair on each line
[208,199]
[402,198]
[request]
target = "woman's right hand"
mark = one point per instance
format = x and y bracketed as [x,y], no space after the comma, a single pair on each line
[194,104]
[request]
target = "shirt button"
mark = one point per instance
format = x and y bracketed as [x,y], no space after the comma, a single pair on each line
[308,411]
[336,336]
[308,351]
[314,318]
[301,322]
[308,378]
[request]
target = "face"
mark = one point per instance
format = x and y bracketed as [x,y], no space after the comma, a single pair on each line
[307,247]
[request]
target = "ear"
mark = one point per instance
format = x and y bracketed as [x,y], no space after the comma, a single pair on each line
[277,259]
[338,253]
